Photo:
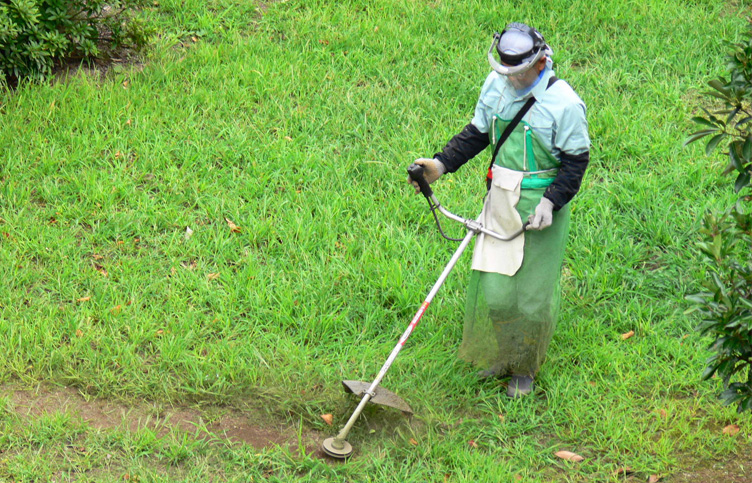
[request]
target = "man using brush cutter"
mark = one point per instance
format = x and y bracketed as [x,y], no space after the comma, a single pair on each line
[537,126]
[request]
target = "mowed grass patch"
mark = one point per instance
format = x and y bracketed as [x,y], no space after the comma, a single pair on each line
[295,123]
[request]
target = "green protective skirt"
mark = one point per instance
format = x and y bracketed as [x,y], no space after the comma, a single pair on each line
[509,320]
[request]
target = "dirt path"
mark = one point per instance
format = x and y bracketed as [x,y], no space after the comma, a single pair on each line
[228,424]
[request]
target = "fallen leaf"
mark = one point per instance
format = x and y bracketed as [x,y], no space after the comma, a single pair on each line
[653,479]
[413,442]
[328,418]
[472,443]
[84,299]
[79,333]
[731,429]
[159,332]
[233,227]
[213,276]
[569,456]
[376,29]
[116,309]
[188,232]
[624,470]
[663,413]
[627,335]
[99,268]
[517,477]
[501,418]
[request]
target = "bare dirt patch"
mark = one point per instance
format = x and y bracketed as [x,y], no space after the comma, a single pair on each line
[218,423]
[732,470]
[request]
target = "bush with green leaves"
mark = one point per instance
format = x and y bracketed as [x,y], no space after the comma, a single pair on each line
[726,305]
[35,34]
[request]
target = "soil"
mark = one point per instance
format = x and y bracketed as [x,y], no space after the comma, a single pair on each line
[240,427]
[224,423]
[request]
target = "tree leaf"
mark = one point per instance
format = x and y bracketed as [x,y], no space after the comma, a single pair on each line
[699,135]
[742,181]
[705,122]
[731,429]
[735,156]
[732,114]
[719,85]
[714,142]
[569,456]
[627,335]
[747,149]
[328,418]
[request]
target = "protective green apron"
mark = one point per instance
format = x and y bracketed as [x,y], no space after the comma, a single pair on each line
[509,320]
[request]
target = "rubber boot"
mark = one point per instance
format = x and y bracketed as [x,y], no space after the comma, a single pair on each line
[520,386]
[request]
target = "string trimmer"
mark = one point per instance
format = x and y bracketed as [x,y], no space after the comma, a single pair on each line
[338,447]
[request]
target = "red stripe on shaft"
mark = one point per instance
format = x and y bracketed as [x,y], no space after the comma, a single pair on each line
[414,323]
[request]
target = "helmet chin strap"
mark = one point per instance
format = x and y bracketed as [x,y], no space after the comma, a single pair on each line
[511,70]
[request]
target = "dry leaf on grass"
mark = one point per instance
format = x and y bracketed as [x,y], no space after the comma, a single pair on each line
[627,335]
[624,470]
[413,442]
[731,429]
[328,418]
[569,456]
[654,479]
[84,299]
[213,276]
[472,443]
[99,268]
[233,227]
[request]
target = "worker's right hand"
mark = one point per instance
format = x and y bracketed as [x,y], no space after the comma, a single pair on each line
[432,170]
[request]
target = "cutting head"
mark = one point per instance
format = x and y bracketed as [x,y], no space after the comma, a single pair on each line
[337,448]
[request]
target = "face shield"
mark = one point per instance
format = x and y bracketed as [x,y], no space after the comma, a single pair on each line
[519,47]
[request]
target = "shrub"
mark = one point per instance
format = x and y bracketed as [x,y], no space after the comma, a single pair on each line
[35,34]
[726,305]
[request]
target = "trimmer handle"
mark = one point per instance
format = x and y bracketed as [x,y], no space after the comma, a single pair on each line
[415,171]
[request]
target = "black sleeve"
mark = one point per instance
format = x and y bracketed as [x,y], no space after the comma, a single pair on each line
[462,147]
[568,180]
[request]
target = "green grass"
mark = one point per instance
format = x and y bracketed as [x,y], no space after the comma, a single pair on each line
[296,121]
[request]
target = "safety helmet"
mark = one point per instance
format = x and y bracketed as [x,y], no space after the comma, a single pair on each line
[519,47]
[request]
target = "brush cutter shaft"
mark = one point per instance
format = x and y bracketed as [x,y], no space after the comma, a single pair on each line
[473,225]
[369,393]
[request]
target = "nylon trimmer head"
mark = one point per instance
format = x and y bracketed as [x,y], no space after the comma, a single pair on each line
[337,448]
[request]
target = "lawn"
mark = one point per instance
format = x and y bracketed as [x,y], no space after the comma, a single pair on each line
[198,244]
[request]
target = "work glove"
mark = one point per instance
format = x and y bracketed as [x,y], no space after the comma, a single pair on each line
[544,215]
[432,170]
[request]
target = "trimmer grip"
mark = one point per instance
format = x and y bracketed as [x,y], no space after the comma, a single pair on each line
[415,171]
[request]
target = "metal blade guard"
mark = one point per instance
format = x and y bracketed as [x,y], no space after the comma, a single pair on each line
[381,395]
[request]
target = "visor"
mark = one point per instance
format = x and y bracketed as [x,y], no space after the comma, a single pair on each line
[519,47]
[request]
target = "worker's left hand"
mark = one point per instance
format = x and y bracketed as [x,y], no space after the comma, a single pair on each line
[544,215]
